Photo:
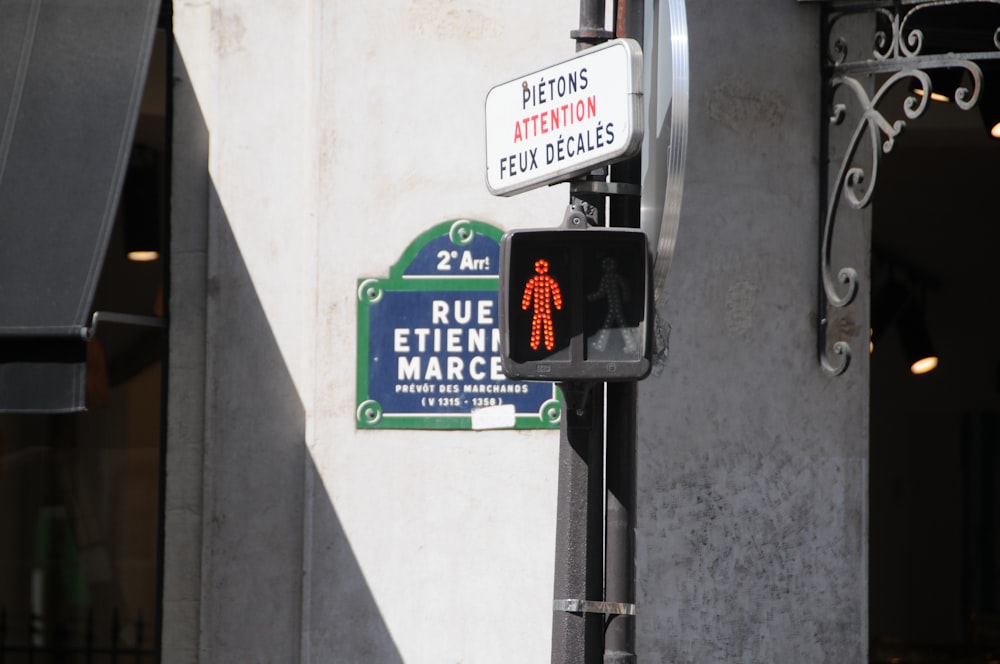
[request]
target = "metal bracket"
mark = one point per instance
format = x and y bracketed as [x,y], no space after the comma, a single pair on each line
[579,215]
[594,35]
[592,606]
[87,333]
[867,133]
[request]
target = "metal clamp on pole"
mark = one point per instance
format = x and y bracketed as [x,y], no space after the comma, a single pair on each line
[592,606]
[604,188]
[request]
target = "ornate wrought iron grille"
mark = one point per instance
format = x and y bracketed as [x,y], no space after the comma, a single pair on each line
[871,48]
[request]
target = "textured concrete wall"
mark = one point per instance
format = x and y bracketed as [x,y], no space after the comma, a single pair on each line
[752,481]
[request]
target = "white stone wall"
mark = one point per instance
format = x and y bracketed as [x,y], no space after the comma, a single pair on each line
[313,142]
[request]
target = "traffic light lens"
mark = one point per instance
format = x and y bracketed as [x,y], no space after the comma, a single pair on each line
[541,326]
[574,304]
[541,294]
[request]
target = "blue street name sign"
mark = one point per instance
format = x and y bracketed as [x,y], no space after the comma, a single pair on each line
[429,341]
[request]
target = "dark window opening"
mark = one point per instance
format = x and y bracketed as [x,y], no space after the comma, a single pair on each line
[934,511]
[81,493]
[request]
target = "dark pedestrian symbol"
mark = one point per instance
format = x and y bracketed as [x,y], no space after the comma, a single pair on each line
[612,288]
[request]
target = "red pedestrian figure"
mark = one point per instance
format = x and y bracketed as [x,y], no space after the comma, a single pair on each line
[541,293]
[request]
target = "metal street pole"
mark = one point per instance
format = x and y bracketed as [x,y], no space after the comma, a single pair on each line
[621,427]
[577,636]
[591,31]
[619,573]
[595,533]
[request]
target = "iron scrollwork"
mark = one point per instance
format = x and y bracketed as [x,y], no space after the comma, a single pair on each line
[901,54]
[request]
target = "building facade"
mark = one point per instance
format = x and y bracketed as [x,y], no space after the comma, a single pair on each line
[307,146]
[360,128]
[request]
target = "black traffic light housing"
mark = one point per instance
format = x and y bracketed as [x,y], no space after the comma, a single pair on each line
[575,304]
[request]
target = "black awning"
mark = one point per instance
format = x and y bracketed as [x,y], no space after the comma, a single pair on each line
[72,75]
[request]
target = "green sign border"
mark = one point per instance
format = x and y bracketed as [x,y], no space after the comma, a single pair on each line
[368,413]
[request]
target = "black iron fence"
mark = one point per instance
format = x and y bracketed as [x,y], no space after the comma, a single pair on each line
[37,642]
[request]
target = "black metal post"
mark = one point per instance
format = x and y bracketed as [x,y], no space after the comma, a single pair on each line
[619,573]
[88,650]
[621,428]
[591,31]
[595,530]
[31,637]
[577,637]
[115,636]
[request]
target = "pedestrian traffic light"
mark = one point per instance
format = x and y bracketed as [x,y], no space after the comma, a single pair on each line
[575,304]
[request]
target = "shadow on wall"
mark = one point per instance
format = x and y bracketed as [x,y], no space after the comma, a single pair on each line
[279,583]
[345,623]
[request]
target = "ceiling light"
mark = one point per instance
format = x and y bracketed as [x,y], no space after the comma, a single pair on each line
[140,206]
[943,84]
[916,340]
[924,365]
[935,96]
[143,256]
[989,99]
